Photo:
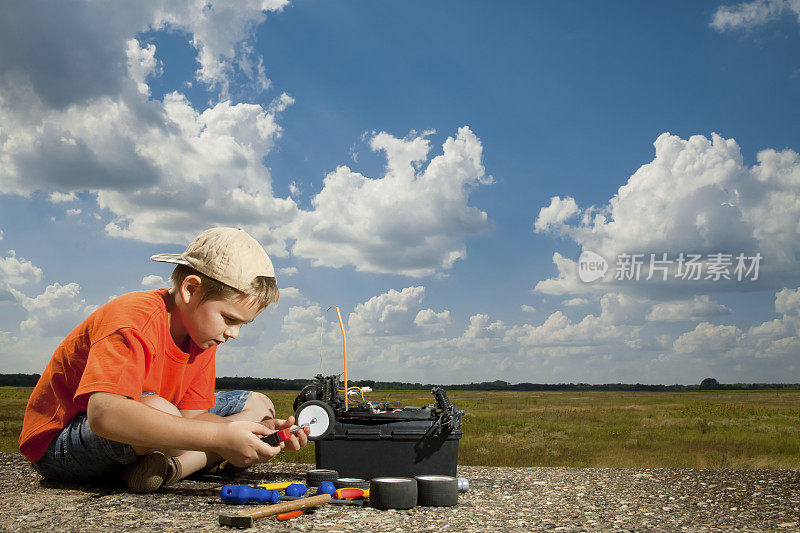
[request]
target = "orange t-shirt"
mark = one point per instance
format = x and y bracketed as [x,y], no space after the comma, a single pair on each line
[124,347]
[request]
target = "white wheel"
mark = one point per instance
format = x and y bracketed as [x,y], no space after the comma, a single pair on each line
[318,415]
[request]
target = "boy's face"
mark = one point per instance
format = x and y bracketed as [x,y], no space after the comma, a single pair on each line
[212,322]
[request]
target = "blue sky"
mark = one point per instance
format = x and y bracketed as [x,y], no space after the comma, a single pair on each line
[433,170]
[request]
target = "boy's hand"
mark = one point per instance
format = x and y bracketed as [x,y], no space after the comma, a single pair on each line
[297,440]
[240,443]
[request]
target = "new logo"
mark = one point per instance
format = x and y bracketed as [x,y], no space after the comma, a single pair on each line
[591,266]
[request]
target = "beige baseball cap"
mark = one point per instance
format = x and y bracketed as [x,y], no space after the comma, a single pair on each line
[228,255]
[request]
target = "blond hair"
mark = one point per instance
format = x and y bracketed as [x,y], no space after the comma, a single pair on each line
[263,291]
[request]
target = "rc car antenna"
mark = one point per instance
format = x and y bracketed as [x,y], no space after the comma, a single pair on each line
[344,352]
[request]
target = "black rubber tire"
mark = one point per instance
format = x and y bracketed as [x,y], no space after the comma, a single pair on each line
[351,482]
[437,491]
[318,475]
[308,393]
[392,493]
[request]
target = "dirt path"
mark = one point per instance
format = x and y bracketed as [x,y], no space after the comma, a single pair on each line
[499,499]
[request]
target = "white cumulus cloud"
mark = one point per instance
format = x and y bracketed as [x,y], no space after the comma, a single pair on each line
[750,14]
[142,63]
[697,308]
[431,321]
[287,271]
[558,330]
[153,281]
[305,337]
[708,338]
[61,197]
[633,338]
[211,174]
[411,221]
[16,271]
[696,196]
[76,117]
[554,215]
[54,312]
[390,313]
[481,327]
[567,281]
[293,294]
[778,338]
[220,31]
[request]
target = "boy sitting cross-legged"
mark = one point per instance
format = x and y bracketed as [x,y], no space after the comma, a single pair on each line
[130,391]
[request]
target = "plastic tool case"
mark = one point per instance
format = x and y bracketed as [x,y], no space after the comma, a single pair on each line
[402,442]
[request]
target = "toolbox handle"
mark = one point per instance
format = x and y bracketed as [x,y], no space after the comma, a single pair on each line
[364,433]
[409,433]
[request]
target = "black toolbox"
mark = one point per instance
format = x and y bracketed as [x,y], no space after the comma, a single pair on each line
[404,443]
[378,439]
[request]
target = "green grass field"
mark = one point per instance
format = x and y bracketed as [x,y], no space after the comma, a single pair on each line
[731,429]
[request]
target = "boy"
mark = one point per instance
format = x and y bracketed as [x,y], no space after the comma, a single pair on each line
[131,389]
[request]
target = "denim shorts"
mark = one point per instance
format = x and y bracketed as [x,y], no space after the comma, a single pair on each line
[77,453]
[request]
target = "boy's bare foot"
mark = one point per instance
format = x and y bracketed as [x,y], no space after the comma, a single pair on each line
[152,471]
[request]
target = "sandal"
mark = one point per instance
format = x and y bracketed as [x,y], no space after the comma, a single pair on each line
[151,472]
[225,469]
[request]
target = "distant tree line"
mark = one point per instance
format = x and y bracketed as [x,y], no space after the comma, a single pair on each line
[18,380]
[250,383]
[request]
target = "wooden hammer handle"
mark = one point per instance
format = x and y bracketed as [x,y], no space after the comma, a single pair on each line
[302,503]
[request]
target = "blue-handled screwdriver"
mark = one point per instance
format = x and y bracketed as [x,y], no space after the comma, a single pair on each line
[246,494]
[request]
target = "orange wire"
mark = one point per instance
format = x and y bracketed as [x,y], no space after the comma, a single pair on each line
[344,351]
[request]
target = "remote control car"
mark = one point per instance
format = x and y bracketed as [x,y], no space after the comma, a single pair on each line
[363,439]
[366,439]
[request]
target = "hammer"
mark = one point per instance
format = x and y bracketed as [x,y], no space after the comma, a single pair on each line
[245,520]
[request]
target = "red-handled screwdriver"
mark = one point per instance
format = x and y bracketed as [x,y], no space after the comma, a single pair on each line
[276,438]
[349,493]
[288,516]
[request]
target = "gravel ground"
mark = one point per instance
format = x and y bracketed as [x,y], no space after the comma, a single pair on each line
[499,499]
